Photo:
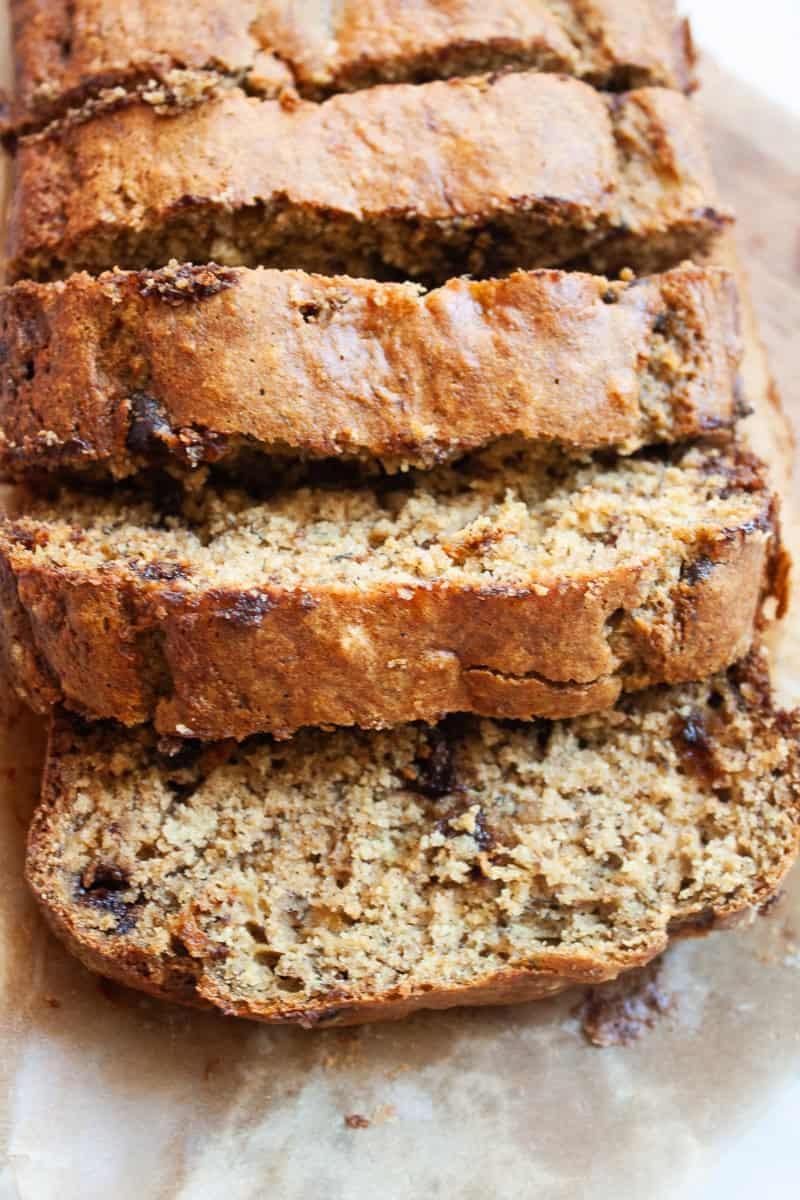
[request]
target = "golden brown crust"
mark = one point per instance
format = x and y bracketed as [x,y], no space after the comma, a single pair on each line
[70,52]
[220,662]
[517,171]
[191,365]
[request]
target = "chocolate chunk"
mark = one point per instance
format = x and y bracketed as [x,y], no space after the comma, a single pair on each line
[149,427]
[706,213]
[696,925]
[697,570]
[483,834]
[435,767]
[313,1017]
[695,748]
[28,538]
[150,433]
[100,885]
[104,877]
[772,903]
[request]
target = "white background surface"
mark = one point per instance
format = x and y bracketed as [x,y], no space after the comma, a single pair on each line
[760,41]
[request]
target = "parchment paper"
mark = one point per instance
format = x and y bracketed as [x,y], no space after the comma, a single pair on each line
[106,1094]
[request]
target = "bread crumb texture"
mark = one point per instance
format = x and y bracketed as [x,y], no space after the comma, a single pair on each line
[504,517]
[348,874]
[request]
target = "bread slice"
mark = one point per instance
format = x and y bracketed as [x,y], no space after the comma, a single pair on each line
[191,365]
[69,52]
[347,877]
[511,585]
[483,175]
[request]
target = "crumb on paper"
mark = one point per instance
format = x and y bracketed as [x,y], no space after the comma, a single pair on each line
[619,1013]
[383,1114]
[400,1069]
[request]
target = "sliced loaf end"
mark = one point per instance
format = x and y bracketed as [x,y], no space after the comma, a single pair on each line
[348,876]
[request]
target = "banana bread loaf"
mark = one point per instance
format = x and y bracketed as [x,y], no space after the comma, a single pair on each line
[511,585]
[71,51]
[482,176]
[346,877]
[192,365]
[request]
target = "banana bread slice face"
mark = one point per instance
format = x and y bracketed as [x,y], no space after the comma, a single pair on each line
[484,176]
[510,585]
[68,54]
[347,876]
[187,366]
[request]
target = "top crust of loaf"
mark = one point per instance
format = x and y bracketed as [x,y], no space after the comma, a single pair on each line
[194,365]
[483,175]
[345,877]
[69,52]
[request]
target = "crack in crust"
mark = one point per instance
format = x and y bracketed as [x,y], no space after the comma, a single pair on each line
[71,69]
[486,185]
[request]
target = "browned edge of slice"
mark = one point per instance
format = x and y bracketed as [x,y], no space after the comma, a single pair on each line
[135,642]
[97,52]
[498,173]
[194,365]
